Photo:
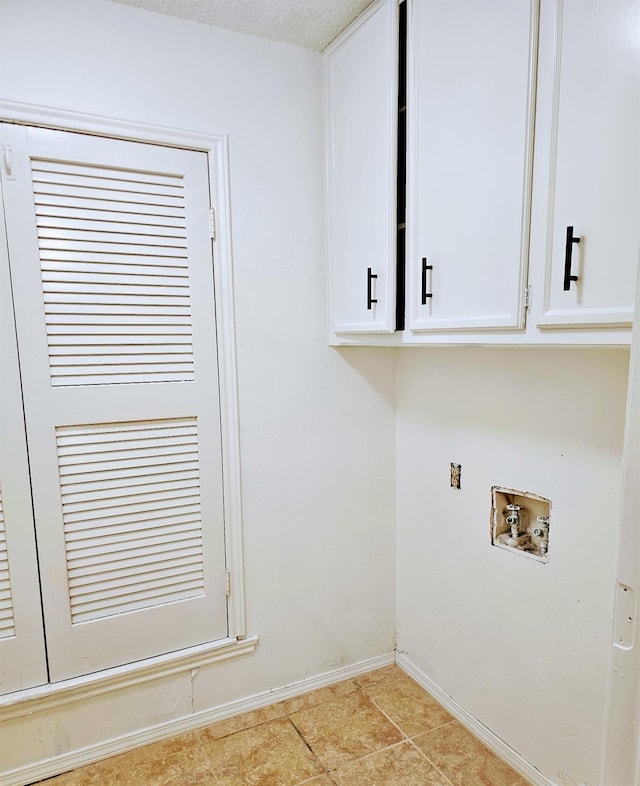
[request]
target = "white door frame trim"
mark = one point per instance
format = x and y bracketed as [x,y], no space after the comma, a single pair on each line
[216,147]
[620,759]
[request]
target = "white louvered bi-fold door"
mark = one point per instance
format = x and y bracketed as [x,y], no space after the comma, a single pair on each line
[22,652]
[111,260]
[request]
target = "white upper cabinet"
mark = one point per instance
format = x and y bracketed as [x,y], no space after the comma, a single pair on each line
[360,73]
[522,173]
[470,114]
[589,108]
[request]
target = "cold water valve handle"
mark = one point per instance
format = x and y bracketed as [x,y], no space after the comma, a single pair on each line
[513,519]
[542,531]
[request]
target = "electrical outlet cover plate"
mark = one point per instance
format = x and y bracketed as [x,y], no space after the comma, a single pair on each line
[532,537]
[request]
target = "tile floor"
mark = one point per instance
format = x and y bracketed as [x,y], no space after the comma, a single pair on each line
[380,729]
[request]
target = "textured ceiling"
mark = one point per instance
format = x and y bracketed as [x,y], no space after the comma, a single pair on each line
[309,23]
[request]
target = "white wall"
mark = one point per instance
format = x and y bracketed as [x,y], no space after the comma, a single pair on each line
[317,425]
[522,646]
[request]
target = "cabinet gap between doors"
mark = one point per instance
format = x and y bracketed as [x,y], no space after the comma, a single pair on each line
[401,202]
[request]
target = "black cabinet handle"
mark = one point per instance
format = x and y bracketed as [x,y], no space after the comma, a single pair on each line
[370,299]
[568,249]
[425,294]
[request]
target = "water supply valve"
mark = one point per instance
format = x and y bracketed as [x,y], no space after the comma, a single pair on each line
[542,531]
[513,519]
[520,522]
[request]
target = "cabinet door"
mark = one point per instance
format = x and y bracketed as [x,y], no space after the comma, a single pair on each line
[471,96]
[111,263]
[22,653]
[360,72]
[594,163]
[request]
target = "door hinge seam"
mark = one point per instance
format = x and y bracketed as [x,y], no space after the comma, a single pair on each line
[227,583]
[527,298]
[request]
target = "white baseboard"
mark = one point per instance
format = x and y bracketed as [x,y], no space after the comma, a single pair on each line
[58,694]
[70,761]
[485,735]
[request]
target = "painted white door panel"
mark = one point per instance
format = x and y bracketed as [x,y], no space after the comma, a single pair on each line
[109,243]
[361,119]
[471,87]
[594,183]
[22,652]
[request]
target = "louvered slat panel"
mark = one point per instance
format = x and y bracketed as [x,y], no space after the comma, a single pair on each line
[136,492]
[129,175]
[120,431]
[77,489]
[91,176]
[89,314]
[133,587]
[129,521]
[133,562]
[50,215]
[97,300]
[118,245]
[7,623]
[63,332]
[106,207]
[120,276]
[154,347]
[97,287]
[137,531]
[146,201]
[53,257]
[105,376]
[151,312]
[60,270]
[167,492]
[124,532]
[87,227]
[147,469]
[135,447]
[96,610]
[102,553]
[64,278]
[101,270]
[131,572]
[140,335]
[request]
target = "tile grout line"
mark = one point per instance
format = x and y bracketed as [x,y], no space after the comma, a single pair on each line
[313,753]
[515,783]
[406,737]
[369,755]
[409,739]
[391,721]
[320,703]
[327,772]
[315,777]
[412,743]
[428,731]
[359,689]
[435,767]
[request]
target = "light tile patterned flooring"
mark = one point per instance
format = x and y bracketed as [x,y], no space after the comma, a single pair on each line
[380,729]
